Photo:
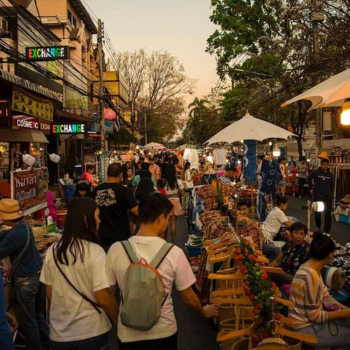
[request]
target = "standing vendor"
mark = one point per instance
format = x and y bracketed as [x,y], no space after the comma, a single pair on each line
[88,175]
[29,292]
[323,192]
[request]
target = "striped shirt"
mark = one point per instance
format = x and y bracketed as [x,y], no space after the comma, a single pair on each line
[307,292]
[225,180]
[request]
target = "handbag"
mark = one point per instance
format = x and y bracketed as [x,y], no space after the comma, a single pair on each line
[93,304]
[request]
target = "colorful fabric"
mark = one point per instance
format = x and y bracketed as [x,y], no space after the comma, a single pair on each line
[307,293]
[250,162]
[270,173]
[250,228]
[294,256]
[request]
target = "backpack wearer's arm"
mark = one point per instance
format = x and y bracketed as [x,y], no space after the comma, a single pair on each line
[190,298]
[108,303]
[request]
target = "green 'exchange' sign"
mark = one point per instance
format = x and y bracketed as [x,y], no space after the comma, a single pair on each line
[48,53]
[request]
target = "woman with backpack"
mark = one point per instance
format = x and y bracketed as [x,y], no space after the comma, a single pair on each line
[77,287]
[174,190]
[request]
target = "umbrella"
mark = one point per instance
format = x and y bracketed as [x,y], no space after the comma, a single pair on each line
[330,93]
[154,145]
[250,128]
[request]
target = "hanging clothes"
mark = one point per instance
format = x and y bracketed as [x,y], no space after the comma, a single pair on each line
[270,173]
[220,155]
[191,155]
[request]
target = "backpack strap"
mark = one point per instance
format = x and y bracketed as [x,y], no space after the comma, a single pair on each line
[161,255]
[130,252]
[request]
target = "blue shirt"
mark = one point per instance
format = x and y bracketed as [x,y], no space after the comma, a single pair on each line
[6,342]
[13,242]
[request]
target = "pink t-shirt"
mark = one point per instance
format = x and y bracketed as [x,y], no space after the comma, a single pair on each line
[87,176]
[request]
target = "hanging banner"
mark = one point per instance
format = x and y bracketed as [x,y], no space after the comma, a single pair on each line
[30,188]
[250,162]
[28,103]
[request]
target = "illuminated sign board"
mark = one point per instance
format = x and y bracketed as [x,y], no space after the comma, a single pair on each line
[26,122]
[48,53]
[65,128]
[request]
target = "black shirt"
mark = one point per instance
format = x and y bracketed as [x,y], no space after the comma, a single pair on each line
[114,201]
[323,182]
[164,165]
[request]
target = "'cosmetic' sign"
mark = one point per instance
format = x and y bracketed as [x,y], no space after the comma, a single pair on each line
[50,53]
[78,128]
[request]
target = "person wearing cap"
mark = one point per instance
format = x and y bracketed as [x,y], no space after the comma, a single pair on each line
[323,192]
[154,169]
[29,292]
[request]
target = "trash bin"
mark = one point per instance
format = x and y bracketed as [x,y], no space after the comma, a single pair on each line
[68,191]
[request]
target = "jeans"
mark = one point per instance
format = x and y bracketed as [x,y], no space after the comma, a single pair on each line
[169,343]
[301,190]
[5,333]
[270,251]
[30,297]
[330,335]
[99,342]
[327,215]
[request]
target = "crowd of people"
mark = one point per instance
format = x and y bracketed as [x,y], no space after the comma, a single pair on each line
[126,222]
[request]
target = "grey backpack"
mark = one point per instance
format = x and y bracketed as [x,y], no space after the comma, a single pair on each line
[143,294]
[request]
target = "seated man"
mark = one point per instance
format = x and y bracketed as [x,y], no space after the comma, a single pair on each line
[295,253]
[271,226]
[248,227]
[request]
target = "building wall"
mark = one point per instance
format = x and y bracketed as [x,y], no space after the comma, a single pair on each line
[53,8]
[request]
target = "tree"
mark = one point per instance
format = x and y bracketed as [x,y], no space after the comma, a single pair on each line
[123,137]
[197,107]
[284,60]
[157,83]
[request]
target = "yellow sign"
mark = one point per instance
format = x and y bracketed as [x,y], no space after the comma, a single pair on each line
[30,104]
[107,76]
[128,113]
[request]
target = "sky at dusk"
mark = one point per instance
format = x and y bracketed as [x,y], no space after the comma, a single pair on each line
[178,26]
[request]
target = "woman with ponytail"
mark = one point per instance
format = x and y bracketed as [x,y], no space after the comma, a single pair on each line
[308,292]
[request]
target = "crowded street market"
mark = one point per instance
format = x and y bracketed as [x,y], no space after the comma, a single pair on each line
[135,216]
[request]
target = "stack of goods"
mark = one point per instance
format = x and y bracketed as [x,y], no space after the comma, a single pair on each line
[246,191]
[44,239]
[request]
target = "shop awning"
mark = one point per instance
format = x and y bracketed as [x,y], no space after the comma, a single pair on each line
[23,135]
[72,116]
[15,79]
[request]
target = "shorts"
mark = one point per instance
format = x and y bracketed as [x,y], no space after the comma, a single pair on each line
[177,210]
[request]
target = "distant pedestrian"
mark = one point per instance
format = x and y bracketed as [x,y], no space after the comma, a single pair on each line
[82,189]
[114,200]
[161,186]
[87,175]
[302,172]
[322,179]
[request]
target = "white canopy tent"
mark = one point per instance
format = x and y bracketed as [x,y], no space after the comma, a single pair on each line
[250,128]
[330,93]
[154,145]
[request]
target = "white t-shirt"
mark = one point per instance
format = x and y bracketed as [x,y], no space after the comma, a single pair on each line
[273,223]
[174,194]
[71,317]
[188,179]
[174,267]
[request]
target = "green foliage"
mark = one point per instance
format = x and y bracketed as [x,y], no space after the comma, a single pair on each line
[123,137]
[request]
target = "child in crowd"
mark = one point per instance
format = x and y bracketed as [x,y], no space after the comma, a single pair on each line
[161,186]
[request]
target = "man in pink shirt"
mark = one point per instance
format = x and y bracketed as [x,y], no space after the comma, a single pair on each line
[154,169]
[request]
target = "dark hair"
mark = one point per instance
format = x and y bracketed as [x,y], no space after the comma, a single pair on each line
[170,176]
[89,167]
[321,246]
[241,204]
[153,206]
[187,166]
[82,185]
[166,159]
[261,157]
[324,160]
[281,159]
[229,167]
[298,226]
[281,200]
[144,188]
[114,170]
[142,159]
[174,159]
[145,166]
[80,226]
[145,173]
[302,159]
[161,183]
